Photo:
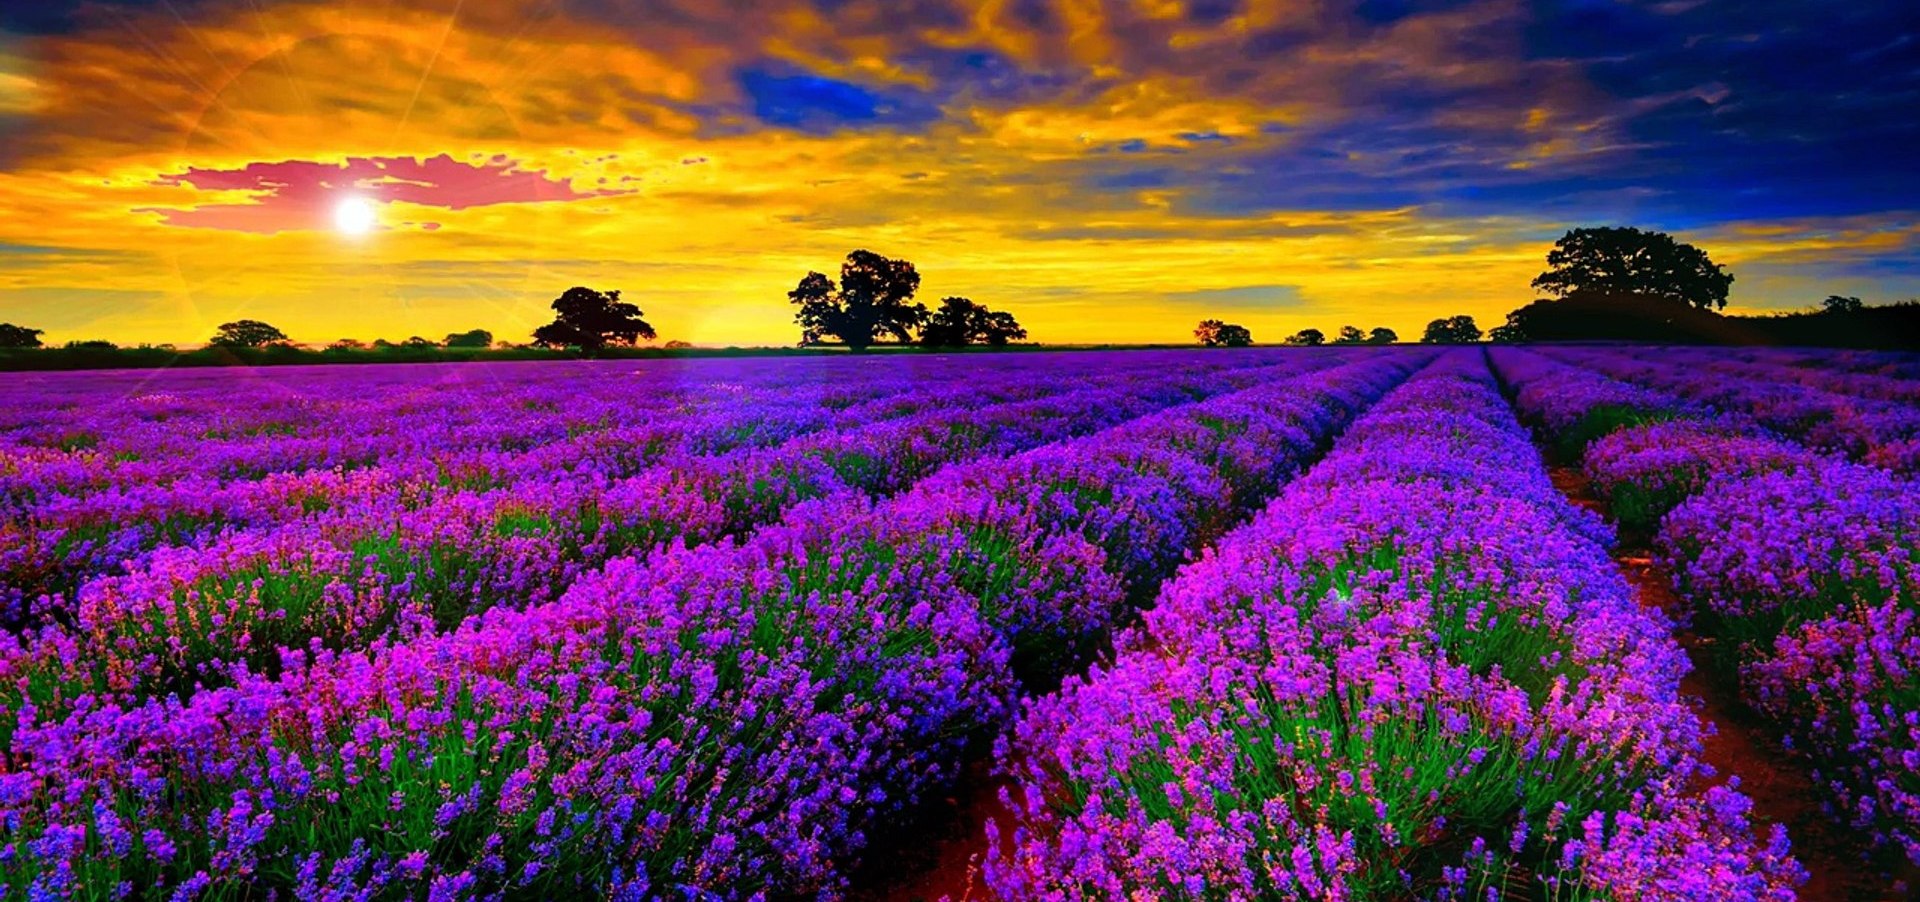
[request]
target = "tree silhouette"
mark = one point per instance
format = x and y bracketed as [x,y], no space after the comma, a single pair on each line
[960,322]
[247,333]
[1452,330]
[12,336]
[1216,334]
[1604,316]
[347,344]
[591,320]
[475,338]
[1630,261]
[1350,335]
[873,298]
[1381,335]
[1509,333]
[1842,304]
[1307,337]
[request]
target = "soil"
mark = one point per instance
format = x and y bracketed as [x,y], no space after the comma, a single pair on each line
[1740,744]
[944,859]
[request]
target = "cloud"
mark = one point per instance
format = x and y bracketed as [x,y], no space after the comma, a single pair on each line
[301,194]
[1110,164]
[1264,296]
[789,98]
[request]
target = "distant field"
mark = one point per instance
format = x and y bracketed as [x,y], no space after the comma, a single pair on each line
[1352,622]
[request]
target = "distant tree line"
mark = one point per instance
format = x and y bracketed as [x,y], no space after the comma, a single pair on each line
[1607,284]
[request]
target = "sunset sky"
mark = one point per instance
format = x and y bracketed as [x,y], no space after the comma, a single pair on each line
[1108,171]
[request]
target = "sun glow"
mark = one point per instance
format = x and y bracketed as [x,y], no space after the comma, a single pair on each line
[354,216]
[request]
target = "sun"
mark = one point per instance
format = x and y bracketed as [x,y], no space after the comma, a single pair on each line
[355,216]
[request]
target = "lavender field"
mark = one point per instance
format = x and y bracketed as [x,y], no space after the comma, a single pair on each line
[1327,623]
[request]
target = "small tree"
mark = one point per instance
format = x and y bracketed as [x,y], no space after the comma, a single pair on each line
[1842,304]
[1452,330]
[1381,335]
[1216,334]
[1630,261]
[874,298]
[92,344]
[345,345]
[247,333]
[590,320]
[1508,333]
[12,336]
[961,322]
[418,343]
[1350,335]
[476,338]
[1307,338]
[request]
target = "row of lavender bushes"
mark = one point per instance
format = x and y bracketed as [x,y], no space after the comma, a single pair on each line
[182,468]
[1417,674]
[1804,565]
[189,617]
[725,720]
[1869,418]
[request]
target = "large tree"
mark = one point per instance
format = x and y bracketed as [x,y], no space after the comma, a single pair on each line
[1214,333]
[247,333]
[1350,335]
[1840,303]
[1452,331]
[12,336]
[1307,337]
[960,322]
[1381,335]
[874,298]
[1631,261]
[589,319]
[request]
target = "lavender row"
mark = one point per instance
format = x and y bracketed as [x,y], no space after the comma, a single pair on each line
[1416,675]
[191,617]
[728,719]
[1807,568]
[63,524]
[1883,432]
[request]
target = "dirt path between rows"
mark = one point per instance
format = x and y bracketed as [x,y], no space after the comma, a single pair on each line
[1744,746]
[942,860]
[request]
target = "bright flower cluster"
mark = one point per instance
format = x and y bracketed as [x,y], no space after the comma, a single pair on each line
[1416,674]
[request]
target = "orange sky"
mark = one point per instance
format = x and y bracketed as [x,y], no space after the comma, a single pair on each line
[1108,172]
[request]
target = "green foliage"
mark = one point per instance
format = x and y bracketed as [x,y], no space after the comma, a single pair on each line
[474,338]
[1601,420]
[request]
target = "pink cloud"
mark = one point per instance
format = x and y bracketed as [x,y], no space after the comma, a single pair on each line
[301,194]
